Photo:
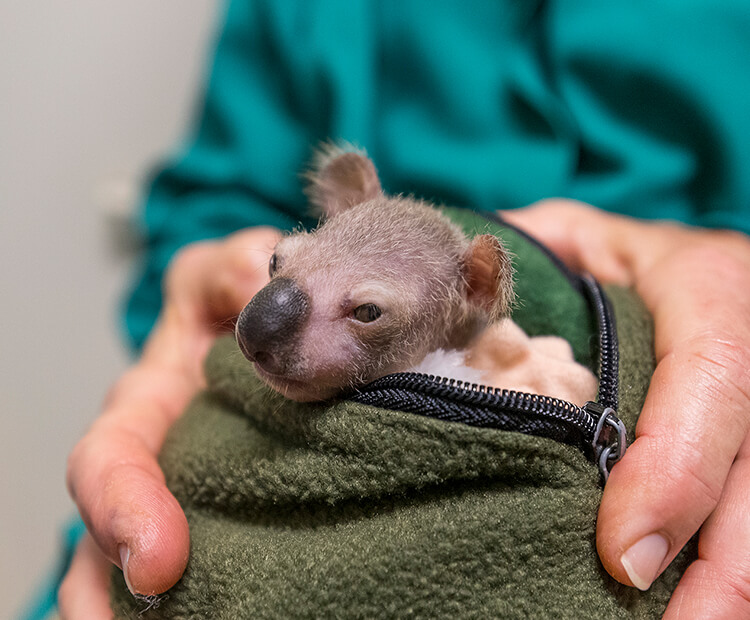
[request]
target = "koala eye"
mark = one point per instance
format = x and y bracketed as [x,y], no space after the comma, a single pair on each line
[273,265]
[367,313]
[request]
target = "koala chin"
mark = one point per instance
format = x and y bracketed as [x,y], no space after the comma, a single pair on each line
[384,281]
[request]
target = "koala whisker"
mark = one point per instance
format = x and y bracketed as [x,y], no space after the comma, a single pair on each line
[430,286]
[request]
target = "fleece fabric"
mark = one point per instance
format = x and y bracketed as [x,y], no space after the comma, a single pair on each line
[342,510]
[348,511]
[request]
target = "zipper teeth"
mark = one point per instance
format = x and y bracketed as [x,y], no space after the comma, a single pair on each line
[496,398]
[514,402]
[582,421]
[608,346]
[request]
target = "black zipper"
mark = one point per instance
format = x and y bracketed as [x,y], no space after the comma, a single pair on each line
[594,428]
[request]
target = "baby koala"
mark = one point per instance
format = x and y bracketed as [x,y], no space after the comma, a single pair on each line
[385,281]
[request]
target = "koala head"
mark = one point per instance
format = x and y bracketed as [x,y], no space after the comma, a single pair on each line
[381,283]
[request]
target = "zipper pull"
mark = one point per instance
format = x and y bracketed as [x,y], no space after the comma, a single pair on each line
[610,437]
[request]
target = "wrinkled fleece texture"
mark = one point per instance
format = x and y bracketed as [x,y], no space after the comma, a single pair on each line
[342,510]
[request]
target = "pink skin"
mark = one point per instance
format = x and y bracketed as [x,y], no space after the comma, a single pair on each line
[680,474]
[432,287]
[113,474]
[688,467]
[331,350]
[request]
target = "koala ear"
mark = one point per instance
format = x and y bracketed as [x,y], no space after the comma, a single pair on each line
[488,271]
[341,178]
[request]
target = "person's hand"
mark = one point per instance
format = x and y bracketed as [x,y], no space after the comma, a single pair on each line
[113,475]
[688,467]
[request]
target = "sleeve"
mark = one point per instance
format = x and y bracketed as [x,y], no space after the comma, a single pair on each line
[658,94]
[241,166]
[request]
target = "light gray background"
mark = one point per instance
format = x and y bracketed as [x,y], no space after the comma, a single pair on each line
[91,94]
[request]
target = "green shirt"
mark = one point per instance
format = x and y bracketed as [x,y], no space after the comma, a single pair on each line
[640,108]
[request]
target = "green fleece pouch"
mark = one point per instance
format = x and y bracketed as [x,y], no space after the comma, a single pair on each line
[354,510]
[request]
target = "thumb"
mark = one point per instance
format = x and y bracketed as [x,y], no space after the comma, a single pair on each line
[211,281]
[694,418]
[206,286]
[113,473]
[580,235]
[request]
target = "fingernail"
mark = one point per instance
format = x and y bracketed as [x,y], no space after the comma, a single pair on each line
[644,559]
[124,557]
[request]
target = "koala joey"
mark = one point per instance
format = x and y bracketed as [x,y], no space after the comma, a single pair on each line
[384,281]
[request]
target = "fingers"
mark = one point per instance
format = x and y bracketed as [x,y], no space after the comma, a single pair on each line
[114,478]
[671,478]
[113,473]
[576,233]
[206,287]
[615,249]
[717,585]
[84,593]
[697,413]
[211,281]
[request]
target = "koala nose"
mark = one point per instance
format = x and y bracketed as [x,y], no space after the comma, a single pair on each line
[270,322]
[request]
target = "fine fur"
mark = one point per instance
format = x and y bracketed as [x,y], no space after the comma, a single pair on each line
[435,288]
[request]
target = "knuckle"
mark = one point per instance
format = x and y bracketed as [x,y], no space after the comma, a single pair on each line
[565,203]
[84,466]
[724,361]
[689,472]
[560,209]
[735,586]
[684,478]
[717,258]
[570,210]
[97,456]
[185,263]
[731,239]
[186,257]
[246,254]
[260,235]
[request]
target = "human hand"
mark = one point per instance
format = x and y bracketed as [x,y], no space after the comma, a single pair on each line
[688,467]
[113,475]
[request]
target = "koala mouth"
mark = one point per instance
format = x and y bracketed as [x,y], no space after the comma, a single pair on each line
[294,389]
[275,377]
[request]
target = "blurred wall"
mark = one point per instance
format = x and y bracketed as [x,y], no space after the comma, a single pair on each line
[91,94]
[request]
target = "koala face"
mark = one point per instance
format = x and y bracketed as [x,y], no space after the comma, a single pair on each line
[384,281]
[350,302]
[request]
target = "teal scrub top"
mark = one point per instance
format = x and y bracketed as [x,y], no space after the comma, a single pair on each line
[637,107]
[641,108]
